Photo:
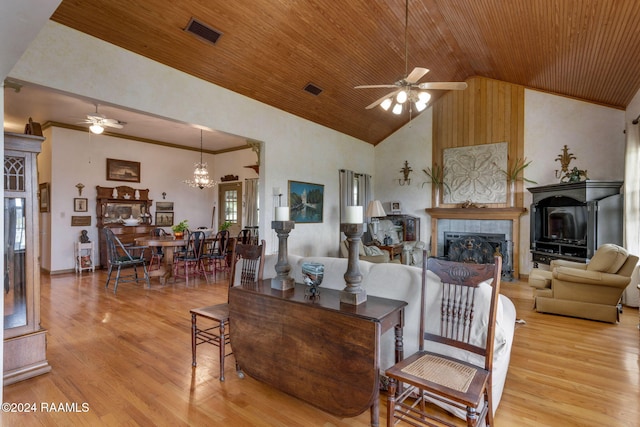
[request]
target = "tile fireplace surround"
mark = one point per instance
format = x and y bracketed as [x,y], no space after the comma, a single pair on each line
[502,220]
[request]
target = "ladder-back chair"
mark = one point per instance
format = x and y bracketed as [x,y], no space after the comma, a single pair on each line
[427,376]
[248,262]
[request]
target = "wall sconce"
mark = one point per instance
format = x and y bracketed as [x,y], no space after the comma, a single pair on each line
[406,170]
[79,186]
[565,158]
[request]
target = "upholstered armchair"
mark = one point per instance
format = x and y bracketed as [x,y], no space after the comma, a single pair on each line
[590,291]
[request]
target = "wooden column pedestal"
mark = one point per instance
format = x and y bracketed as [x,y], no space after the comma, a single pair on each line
[353,294]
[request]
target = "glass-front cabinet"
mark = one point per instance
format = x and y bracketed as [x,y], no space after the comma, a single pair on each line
[24,338]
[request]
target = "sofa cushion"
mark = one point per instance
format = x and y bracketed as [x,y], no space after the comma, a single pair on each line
[373,251]
[608,259]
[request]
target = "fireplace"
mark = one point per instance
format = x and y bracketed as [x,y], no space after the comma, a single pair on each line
[480,221]
[478,248]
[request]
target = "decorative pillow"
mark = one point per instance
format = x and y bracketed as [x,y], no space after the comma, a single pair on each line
[374,250]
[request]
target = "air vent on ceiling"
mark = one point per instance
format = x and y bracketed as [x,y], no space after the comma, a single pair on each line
[313,89]
[203,31]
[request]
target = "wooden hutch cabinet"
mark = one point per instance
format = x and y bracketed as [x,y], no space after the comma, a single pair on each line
[114,204]
[25,342]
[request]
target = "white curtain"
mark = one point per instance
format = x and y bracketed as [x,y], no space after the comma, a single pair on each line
[352,196]
[251,194]
[346,191]
[632,207]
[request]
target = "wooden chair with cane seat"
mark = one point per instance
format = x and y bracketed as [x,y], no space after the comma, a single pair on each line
[251,261]
[427,376]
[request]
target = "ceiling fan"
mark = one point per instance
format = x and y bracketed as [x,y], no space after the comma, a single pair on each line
[99,121]
[408,88]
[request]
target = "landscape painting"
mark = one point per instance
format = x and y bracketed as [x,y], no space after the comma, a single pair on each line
[305,202]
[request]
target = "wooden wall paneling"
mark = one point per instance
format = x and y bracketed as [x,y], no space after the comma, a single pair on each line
[489,111]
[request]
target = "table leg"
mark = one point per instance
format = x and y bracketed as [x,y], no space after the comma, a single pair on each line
[168,265]
[375,410]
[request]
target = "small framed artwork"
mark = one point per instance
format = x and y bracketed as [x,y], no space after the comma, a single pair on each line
[395,207]
[305,202]
[164,219]
[45,197]
[79,204]
[123,170]
[164,207]
[80,221]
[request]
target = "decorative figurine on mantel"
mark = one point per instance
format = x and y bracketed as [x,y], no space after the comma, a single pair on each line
[84,237]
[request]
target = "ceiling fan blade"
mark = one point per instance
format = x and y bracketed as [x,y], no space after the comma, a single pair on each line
[374,86]
[112,124]
[379,101]
[443,85]
[416,74]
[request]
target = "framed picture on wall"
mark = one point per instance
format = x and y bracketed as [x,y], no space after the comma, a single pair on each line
[164,207]
[164,219]
[305,202]
[79,204]
[45,197]
[123,170]
[395,207]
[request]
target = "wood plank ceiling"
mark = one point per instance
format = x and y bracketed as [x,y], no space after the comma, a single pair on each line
[271,49]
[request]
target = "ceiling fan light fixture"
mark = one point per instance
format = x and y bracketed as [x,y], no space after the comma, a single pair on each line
[402,97]
[96,129]
[397,109]
[386,104]
[424,97]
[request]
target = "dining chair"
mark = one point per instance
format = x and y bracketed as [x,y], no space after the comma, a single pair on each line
[244,236]
[158,254]
[191,261]
[250,258]
[218,255]
[120,256]
[453,322]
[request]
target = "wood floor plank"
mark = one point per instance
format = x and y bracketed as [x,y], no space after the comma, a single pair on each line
[129,357]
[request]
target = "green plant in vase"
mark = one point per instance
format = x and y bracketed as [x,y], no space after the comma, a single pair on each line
[179,229]
[225,225]
[436,174]
[516,173]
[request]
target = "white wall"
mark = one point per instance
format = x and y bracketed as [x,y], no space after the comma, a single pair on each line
[593,133]
[412,143]
[80,157]
[294,149]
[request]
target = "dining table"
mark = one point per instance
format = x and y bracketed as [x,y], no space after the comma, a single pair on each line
[168,245]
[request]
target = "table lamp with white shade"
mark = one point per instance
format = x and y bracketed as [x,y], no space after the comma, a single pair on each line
[374,211]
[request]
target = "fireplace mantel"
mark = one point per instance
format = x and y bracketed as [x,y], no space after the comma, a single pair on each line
[476,213]
[481,214]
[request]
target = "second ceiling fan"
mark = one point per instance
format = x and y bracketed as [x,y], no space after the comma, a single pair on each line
[408,89]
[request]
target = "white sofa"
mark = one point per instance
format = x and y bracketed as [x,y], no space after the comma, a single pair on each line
[402,282]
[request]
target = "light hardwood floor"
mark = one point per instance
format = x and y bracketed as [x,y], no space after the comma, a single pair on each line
[128,357]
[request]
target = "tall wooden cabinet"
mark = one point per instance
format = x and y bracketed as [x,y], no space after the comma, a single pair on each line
[410,226]
[25,342]
[115,204]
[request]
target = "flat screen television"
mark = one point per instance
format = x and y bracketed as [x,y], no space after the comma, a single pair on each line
[565,223]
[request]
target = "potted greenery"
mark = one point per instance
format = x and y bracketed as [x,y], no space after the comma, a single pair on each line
[180,228]
[436,175]
[225,225]
[516,173]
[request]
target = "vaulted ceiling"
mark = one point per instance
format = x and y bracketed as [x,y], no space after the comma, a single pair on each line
[271,49]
